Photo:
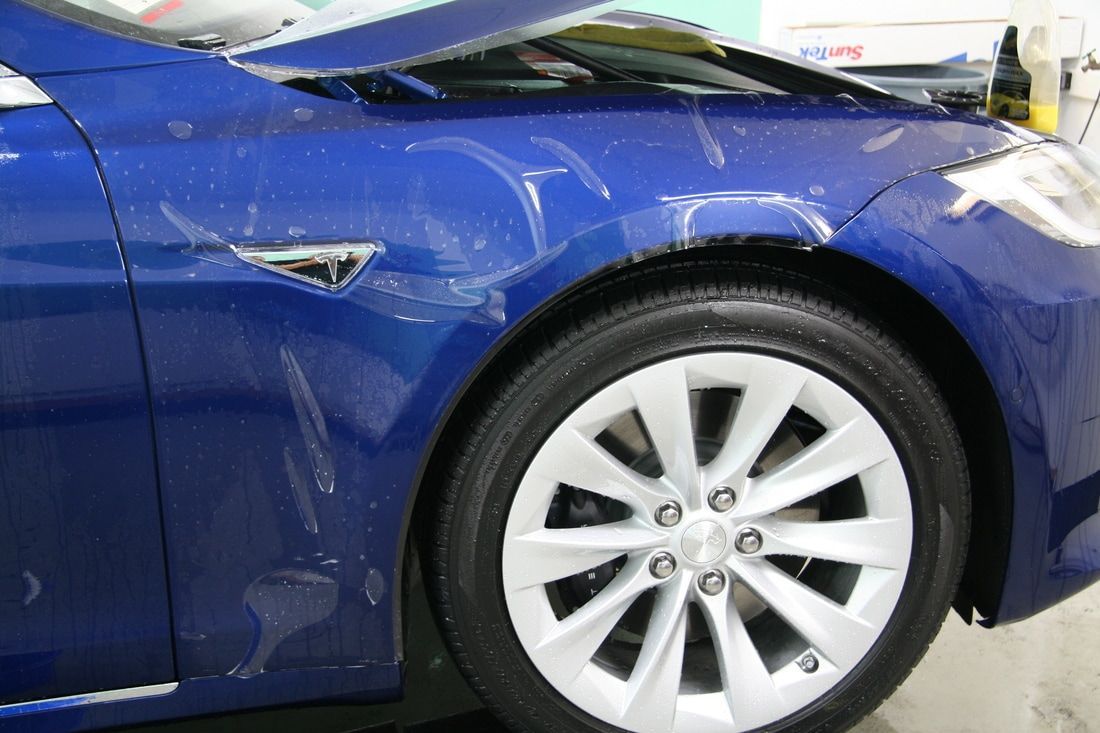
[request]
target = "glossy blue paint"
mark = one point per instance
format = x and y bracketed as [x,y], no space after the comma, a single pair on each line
[195,697]
[1027,306]
[291,422]
[83,603]
[37,43]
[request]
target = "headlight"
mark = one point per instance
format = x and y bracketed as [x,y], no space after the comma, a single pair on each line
[1053,187]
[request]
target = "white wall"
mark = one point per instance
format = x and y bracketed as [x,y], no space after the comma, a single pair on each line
[776,15]
[1077,103]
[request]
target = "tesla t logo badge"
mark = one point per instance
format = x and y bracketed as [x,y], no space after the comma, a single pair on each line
[333,260]
[330,266]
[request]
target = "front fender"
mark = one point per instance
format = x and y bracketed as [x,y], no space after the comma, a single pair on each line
[1026,305]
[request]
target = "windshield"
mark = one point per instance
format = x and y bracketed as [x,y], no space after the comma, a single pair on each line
[210,24]
[561,65]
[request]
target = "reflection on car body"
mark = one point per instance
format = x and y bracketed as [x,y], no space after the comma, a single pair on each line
[695,380]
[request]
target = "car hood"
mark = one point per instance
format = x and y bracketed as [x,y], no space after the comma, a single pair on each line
[360,36]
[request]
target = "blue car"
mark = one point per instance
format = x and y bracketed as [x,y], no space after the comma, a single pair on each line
[694,381]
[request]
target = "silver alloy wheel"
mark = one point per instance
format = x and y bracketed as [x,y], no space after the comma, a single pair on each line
[760,682]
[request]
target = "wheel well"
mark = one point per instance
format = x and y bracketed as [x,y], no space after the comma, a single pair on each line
[962,381]
[912,319]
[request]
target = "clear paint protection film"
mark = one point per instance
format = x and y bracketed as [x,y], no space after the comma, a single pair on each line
[292,416]
[360,36]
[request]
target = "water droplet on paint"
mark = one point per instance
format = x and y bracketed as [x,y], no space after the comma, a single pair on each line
[375,586]
[180,129]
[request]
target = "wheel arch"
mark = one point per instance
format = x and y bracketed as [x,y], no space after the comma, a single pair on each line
[932,338]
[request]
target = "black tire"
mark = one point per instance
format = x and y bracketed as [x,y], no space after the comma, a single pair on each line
[639,318]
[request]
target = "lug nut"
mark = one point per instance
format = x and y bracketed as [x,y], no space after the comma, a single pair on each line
[662,565]
[748,542]
[722,499]
[809,664]
[712,582]
[668,514]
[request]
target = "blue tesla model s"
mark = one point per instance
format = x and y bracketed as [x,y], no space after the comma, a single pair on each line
[696,382]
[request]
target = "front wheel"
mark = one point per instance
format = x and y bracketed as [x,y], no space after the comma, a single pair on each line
[700,500]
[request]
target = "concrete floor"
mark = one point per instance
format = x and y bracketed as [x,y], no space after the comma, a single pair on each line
[1037,676]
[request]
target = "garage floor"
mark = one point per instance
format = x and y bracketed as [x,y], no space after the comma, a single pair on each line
[1036,676]
[1042,674]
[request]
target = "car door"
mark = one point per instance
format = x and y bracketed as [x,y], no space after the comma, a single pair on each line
[286,428]
[83,598]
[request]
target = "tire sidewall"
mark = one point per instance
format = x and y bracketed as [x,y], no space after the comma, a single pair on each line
[849,352]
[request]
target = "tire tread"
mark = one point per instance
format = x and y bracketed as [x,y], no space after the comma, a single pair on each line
[589,311]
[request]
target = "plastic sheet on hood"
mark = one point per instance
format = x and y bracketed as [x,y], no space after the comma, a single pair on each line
[361,36]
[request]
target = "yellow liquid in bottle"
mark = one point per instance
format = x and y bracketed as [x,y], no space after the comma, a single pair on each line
[1041,117]
[1044,118]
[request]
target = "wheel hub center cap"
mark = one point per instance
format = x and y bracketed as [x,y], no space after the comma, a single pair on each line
[704,542]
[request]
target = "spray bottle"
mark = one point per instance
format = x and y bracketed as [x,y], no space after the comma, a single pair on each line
[1024,88]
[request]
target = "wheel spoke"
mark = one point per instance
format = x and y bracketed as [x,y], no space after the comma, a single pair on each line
[837,455]
[570,457]
[837,633]
[764,402]
[662,395]
[866,542]
[754,414]
[573,641]
[654,685]
[748,686]
[546,555]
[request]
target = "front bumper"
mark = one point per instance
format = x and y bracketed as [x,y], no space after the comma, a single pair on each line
[1029,307]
